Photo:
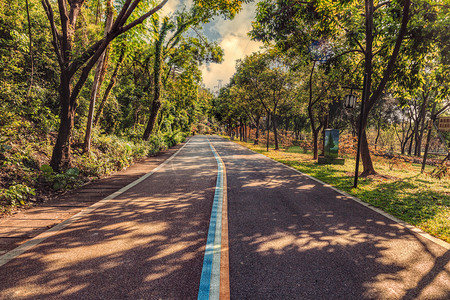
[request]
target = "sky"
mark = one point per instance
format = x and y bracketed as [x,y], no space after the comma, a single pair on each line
[232,36]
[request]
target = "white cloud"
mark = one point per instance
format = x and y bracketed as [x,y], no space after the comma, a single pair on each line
[236,44]
[172,5]
[233,39]
[235,48]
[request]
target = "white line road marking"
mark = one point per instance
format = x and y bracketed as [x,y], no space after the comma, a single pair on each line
[209,287]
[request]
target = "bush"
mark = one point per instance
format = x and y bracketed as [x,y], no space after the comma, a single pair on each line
[174,138]
[111,153]
[25,169]
[16,195]
[60,181]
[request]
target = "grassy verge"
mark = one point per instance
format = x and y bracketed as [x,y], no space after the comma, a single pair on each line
[401,190]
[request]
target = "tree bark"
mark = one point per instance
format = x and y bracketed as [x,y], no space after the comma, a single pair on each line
[241,132]
[98,80]
[61,158]
[369,11]
[315,134]
[108,89]
[427,145]
[368,68]
[247,132]
[157,68]
[256,142]
[275,131]
[315,131]
[420,128]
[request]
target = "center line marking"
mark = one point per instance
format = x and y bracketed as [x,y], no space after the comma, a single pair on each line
[214,282]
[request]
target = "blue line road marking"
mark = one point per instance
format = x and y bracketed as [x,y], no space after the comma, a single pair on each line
[210,279]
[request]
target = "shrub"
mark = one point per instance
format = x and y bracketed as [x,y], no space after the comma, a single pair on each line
[16,195]
[60,181]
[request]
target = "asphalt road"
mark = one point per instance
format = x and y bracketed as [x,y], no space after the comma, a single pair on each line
[147,243]
[292,238]
[289,238]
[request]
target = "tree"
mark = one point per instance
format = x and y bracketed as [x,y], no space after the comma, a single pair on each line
[72,59]
[266,80]
[112,83]
[98,78]
[379,41]
[253,109]
[198,14]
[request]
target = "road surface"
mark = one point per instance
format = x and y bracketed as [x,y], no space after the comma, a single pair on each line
[289,237]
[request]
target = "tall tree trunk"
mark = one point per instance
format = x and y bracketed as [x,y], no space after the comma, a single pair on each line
[410,144]
[315,135]
[157,68]
[275,131]
[246,128]
[365,153]
[241,131]
[256,142]
[98,79]
[427,145]
[111,84]
[403,146]
[420,139]
[315,131]
[421,126]
[378,133]
[61,158]
[30,37]
[371,101]
[366,159]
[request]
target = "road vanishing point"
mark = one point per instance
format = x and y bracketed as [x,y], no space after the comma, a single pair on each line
[218,221]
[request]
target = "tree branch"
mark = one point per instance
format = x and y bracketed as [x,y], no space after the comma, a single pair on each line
[122,12]
[390,67]
[129,11]
[83,58]
[142,18]
[344,53]
[64,29]
[381,5]
[56,36]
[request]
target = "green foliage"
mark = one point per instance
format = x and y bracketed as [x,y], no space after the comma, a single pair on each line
[174,138]
[16,194]
[47,170]
[60,181]
[30,104]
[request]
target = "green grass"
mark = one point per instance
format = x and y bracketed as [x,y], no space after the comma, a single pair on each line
[401,190]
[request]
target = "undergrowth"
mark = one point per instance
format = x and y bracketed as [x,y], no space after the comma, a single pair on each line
[26,176]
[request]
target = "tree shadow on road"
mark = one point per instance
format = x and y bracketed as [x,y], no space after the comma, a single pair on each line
[148,243]
[292,238]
